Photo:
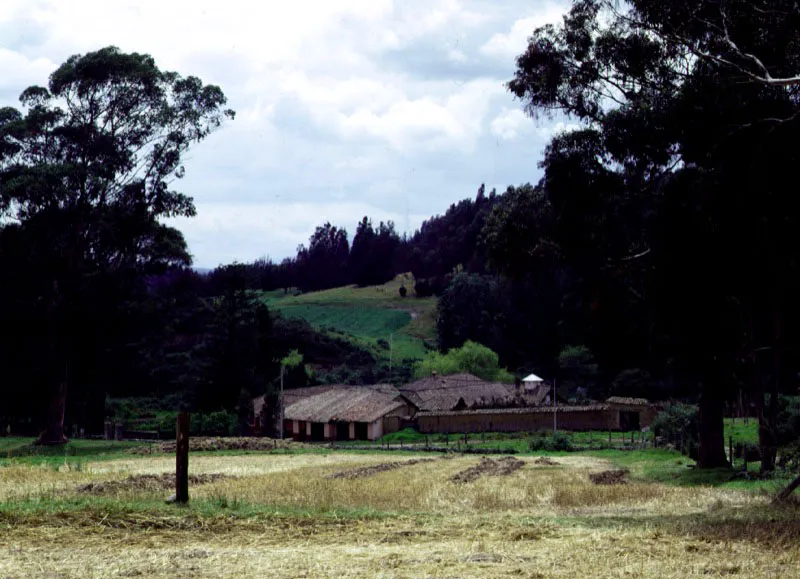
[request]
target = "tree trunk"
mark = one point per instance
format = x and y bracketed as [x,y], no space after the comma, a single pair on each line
[54,430]
[768,412]
[712,437]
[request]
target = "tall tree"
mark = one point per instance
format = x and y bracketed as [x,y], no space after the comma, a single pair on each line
[86,173]
[324,263]
[686,119]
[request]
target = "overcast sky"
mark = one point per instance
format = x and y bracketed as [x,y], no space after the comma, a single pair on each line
[345,108]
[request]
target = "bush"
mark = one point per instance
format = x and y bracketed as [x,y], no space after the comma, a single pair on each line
[403,291]
[788,426]
[558,441]
[789,457]
[677,423]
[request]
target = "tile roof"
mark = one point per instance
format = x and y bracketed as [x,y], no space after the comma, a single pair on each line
[628,401]
[457,390]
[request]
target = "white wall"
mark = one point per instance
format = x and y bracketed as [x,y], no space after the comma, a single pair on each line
[375,429]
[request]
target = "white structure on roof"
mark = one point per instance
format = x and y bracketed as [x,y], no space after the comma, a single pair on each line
[534,385]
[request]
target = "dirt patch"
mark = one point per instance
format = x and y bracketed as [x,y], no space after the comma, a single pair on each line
[489,467]
[366,471]
[207,443]
[146,482]
[610,477]
[544,461]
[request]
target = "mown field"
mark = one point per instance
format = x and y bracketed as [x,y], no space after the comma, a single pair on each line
[301,512]
[368,316]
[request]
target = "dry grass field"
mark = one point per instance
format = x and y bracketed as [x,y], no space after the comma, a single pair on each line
[289,516]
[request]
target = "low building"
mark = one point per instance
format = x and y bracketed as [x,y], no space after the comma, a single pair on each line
[346,413]
[615,414]
[632,413]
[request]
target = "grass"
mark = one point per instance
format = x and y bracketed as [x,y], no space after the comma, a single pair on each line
[280,516]
[365,326]
[18,450]
[742,430]
[366,315]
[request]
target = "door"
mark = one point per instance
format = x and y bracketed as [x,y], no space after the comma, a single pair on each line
[628,421]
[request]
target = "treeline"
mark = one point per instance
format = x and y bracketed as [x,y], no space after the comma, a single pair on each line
[442,246]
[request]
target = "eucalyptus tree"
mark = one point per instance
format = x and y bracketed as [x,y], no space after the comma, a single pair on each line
[88,168]
[677,178]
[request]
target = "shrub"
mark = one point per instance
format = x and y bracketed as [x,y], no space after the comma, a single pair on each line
[789,457]
[558,441]
[403,291]
[677,423]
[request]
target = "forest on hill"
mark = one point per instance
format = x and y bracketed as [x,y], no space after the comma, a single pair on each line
[657,256]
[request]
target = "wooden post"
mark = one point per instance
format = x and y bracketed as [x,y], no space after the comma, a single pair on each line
[182,459]
[730,449]
[744,452]
[466,441]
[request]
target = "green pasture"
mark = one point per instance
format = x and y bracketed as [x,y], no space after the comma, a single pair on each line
[366,315]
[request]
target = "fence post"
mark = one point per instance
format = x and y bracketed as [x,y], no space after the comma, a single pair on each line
[182,459]
[730,449]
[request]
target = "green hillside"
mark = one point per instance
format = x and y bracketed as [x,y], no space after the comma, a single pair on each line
[371,317]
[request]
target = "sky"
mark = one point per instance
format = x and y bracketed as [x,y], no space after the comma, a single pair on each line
[344,108]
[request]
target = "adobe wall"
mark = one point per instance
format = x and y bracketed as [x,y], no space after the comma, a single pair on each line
[518,422]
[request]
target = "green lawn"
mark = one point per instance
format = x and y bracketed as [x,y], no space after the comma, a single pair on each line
[366,315]
[20,450]
[742,430]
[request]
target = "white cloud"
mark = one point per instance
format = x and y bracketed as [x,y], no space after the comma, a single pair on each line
[20,71]
[508,124]
[512,43]
[547,132]
[328,126]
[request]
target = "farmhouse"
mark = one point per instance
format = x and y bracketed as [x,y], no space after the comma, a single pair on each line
[615,414]
[346,412]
